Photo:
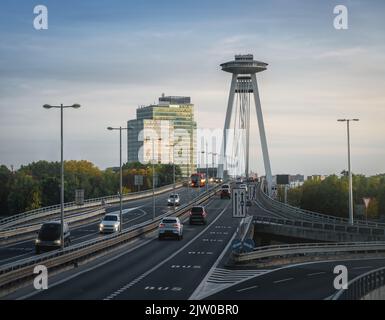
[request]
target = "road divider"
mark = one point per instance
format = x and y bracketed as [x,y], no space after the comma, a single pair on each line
[263,256]
[24,217]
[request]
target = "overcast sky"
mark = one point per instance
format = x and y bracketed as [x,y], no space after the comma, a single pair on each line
[111,56]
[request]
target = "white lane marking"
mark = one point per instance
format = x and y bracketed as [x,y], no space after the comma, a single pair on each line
[88,269]
[315,274]
[201,252]
[178,266]
[248,288]
[176,252]
[283,280]
[201,287]
[359,268]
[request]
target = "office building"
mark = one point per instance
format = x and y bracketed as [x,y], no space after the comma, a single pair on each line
[170,124]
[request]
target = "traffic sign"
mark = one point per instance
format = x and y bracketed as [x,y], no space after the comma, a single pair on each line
[236,245]
[238,199]
[248,245]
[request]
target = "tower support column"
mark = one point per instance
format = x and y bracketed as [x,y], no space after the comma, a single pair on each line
[262,134]
[227,122]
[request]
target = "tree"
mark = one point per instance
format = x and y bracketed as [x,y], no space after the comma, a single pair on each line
[25,194]
[5,183]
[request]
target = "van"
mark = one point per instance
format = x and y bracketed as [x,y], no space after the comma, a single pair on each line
[49,236]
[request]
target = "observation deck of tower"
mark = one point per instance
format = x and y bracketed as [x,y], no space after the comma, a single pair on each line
[244,64]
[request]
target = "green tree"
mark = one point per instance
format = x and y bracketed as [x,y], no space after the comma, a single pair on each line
[5,184]
[25,194]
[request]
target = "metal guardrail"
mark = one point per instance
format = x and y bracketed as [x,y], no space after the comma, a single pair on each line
[362,285]
[310,215]
[17,271]
[36,226]
[327,226]
[70,206]
[308,249]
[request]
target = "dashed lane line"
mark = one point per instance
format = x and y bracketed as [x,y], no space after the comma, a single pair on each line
[124,288]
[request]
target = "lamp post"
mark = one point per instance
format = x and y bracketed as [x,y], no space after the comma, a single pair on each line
[351,219]
[213,154]
[173,166]
[61,107]
[153,174]
[120,174]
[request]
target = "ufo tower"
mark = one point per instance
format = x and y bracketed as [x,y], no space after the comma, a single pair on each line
[244,83]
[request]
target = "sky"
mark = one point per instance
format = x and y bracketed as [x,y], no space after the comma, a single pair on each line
[112,56]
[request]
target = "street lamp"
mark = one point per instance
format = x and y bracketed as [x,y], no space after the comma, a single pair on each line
[120,174]
[351,219]
[173,165]
[61,107]
[153,174]
[214,154]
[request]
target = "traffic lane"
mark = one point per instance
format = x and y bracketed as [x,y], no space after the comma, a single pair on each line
[79,234]
[140,213]
[311,281]
[101,282]
[132,215]
[178,278]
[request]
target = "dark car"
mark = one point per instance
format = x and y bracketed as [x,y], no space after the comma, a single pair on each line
[225,192]
[198,215]
[49,236]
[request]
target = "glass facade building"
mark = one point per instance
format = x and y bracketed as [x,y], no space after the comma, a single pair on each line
[170,124]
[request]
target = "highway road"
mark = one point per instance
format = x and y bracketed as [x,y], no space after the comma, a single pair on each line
[167,269]
[306,281]
[193,268]
[134,212]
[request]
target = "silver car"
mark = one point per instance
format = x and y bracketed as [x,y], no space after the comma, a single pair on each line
[110,223]
[173,200]
[170,227]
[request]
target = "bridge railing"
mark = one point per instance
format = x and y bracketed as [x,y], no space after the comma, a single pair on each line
[324,225]
[287,250]
[368,286]
[310,215]
[70,206]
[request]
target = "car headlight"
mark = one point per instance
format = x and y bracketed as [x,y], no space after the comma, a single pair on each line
[57,242]
[37,241]
[101,226]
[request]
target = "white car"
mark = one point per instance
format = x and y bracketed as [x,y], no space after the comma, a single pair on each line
[170,227]
[110,223]
[173,200]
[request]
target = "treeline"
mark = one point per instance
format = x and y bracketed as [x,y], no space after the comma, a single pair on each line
[38,184]
[330,196]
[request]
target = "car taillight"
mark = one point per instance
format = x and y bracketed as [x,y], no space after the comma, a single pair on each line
[190,213]
[161,225]
[175,225]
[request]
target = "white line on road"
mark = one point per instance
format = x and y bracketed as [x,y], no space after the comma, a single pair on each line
[359,268]
[248,288]
[283,280]
[315,274]
[114,294]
